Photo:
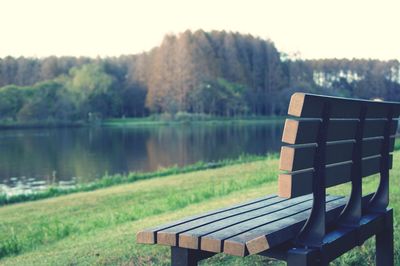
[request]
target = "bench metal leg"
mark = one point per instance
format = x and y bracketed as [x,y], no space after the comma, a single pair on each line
[304,256]
[301,256]
[384,243]
[187,257]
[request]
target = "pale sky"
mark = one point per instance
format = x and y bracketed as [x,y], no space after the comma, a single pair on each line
[315,28]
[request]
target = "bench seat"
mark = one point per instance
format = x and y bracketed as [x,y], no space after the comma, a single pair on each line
[248,228]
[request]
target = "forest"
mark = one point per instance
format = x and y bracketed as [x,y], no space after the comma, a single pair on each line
[214,73]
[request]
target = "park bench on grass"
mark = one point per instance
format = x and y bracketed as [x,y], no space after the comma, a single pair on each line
[329,141]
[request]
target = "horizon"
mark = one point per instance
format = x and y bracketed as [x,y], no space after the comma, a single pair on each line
[308,30]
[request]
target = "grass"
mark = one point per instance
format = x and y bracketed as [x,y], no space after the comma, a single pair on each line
[186,118]
[83,214]
[112,180]
[99,227]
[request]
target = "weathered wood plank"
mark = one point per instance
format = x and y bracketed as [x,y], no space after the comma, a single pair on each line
[213,241]
[191,238]
[169,236]
[277,232]
[298,157]
[305,131]
[310,106]
[299,183]
[376,127]
[149,236]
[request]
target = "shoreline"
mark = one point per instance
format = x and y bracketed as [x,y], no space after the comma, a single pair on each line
[155,121]
[119,179]
[6,126]
[143,121]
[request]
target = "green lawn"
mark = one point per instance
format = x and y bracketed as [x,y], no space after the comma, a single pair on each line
[99,227]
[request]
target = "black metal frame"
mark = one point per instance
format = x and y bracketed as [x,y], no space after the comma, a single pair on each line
[314,246]
[381,198]
[313,232]
[188,257]
[352,213]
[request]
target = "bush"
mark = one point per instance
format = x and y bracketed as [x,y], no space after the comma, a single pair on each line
[185,117]
[166,117]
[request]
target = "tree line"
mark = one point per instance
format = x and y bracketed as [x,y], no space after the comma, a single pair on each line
[217,73]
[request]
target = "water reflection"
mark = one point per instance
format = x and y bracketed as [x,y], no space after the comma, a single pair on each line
[33,159]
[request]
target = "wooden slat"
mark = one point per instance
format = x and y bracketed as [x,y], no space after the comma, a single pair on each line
[149,236]
[300,131]
[270,235]
[298,157]
[299,183]
[191,238]
[169,236]
[310,106]
[213,242]
[376,127]
[305,131]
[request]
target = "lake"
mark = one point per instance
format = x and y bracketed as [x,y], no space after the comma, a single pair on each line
[31,159]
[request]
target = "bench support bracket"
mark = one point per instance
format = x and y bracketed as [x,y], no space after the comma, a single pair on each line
[312,233]
[188,257]
[381,198]
[304,257]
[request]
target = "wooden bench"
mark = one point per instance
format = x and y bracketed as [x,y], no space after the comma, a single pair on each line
[328,141]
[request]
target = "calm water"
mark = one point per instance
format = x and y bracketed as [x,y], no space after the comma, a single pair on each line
[31,159]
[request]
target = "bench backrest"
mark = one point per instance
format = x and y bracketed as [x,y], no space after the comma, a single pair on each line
[342,122]
[331,141]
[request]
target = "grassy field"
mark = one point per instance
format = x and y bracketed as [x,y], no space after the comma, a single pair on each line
[99,227]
